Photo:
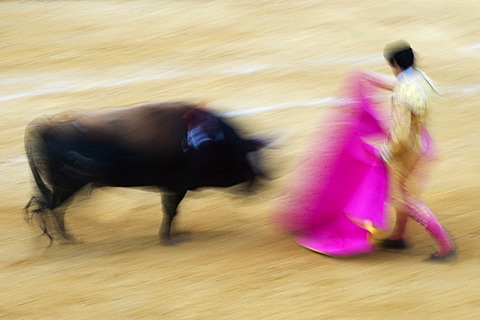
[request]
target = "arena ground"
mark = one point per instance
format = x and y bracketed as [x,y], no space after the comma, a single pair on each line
[276,64]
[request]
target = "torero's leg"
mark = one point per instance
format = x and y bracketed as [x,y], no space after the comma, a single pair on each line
[400,224]
[423,215]
[407,206]
[396,239]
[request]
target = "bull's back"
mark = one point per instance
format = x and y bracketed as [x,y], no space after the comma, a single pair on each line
[125,146]
[154,128]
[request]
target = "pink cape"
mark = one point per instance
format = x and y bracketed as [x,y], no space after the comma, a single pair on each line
[341,193]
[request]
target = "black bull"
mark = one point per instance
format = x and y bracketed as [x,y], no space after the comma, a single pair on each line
[135,146]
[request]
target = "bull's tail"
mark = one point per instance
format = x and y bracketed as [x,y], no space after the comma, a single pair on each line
[35,150]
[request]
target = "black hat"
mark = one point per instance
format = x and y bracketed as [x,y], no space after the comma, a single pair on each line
[399,52]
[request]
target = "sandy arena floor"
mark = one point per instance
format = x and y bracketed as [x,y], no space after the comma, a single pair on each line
[62,55]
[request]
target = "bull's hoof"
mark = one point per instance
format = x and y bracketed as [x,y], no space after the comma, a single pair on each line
[64,241]
[67,242]
[176,239]
[170,242]
[60,242]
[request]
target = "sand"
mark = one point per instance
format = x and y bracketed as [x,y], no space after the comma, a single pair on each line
[276,63]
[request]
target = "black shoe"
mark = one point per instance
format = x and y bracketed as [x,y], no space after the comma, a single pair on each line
[444,257]
[393,244]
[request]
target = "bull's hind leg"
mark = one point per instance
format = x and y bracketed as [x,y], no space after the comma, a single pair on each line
[60,202]
[170,201]
[37,208]
[64,235]
[51,222]
[44,219]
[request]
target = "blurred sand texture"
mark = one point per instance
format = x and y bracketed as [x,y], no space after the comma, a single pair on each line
[290,55]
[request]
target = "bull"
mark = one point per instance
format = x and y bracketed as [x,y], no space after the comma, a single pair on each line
[152,144]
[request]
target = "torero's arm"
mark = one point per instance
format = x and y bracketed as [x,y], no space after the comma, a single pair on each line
[380,80]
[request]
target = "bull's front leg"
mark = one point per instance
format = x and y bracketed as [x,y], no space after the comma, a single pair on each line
[170,201]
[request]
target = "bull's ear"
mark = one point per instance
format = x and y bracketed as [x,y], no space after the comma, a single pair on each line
[255,163]
[259,142]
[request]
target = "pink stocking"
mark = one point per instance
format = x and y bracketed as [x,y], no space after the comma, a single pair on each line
[422,214]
